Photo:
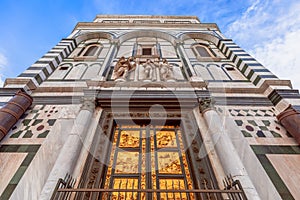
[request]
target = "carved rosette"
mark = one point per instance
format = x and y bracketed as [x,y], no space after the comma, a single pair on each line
[206,104]
[290,120]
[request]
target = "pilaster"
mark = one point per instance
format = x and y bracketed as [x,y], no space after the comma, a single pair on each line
[70,152]
[226,152]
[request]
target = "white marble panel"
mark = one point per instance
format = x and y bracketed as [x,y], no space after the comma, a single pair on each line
[202,72]
[103,53]
[60,73]
[92,71]
[76,71]
[168,52]
[125,51]
[177,73]
[218,73]
[190,53]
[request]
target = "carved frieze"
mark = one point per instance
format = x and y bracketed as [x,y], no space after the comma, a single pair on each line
[149,70]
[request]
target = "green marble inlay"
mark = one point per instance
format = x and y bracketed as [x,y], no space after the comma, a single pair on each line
[261,151]
[275,134]
[26,122]
[252,122]
[16,135]
[266,122]
[28,134]
[31,151]
[263,128]
[246,134]
[37,121]
[43,135]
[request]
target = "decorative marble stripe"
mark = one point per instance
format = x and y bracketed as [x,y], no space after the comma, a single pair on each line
[261,152]
[254,64]
[268,76]
[31,151]
[53,50]
[239,63]
[248,59]
[65,45]
[257,79]
[70,41]
[243,54]
[66,50]
[261,70]
[27,75]
[244,68]
[250,74]
[277,95]
[244,62]
[238,50]
[35,68]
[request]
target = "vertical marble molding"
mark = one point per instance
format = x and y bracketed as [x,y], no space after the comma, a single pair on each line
[188,65]
[70,152]
[226,152]
[111,53]
[290,119]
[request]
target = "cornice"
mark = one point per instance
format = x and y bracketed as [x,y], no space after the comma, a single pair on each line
[93,25]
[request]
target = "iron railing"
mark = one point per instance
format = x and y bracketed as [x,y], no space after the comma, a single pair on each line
[65,191]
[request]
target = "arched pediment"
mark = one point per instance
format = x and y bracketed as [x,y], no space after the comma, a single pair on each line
[93,35]
[203,36]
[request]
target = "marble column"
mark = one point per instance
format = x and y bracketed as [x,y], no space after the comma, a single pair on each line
[69,153]
[290,120]
[226,152]
[184,57]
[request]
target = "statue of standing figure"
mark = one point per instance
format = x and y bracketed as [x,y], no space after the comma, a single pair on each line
[122,68]
[166,71]
[148,70]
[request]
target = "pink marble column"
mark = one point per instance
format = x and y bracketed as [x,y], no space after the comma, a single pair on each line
[290,120]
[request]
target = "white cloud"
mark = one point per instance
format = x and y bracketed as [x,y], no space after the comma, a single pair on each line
[3,63]
[270,31]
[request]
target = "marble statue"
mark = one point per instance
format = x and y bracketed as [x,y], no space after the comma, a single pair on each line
[166,70]
[123,67]
[148,70]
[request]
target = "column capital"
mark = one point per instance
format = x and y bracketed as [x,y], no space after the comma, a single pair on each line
[88,103]
[206,104]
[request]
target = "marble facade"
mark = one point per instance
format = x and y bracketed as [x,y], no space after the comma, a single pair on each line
[143,74]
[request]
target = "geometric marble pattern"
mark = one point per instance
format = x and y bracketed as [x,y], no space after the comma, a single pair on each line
[250,112]
[24,140]
[267,127]
[264,154]
[260,123]
[35,123]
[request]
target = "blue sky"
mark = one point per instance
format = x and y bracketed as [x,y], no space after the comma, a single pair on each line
[268,29]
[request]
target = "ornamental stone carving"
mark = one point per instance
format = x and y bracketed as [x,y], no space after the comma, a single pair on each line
[149,68]
[88,103]
[206,104]
[145,69]
[123,67]
[166,71]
